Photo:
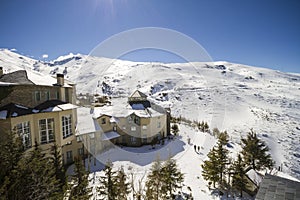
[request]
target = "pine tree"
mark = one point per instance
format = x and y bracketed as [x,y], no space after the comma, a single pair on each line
[172,178]
[215,168]
[210,170]
[58,166]
[81,190]
[222,154]
[201,126]
[154,182]
[216,132]
[175,129]
[35,178]
[108,187]
[255,152]
[11,152]
[239,179]
[122,185]
[205,127]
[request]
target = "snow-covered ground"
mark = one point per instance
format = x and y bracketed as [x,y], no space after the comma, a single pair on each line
[229,96]
[137,161]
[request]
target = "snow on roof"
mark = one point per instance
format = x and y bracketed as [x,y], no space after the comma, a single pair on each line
[120,108]
[39,79]
[86,123]
[109,135]
[54,106]
[3,114]
[67,106]
[113,120]
[14,110]
[254,176]
[138,106]
[29,77]
[6,83]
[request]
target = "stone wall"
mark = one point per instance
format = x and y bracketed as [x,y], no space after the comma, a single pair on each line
[26,94]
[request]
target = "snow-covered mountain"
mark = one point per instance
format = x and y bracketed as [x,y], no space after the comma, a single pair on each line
[229,96]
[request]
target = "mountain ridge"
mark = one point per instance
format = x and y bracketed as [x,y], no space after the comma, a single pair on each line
[229,96]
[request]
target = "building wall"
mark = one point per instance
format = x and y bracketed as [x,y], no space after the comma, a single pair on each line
[143,133]
[26,94]
[68,144]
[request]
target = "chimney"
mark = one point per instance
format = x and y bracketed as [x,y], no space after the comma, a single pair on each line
[60,79]
[1,71]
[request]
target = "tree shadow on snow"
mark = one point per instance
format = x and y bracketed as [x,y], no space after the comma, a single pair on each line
[143,155]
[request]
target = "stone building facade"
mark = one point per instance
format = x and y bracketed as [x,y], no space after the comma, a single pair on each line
[41,111]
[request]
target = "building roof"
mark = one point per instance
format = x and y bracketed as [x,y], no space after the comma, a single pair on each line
[13,110]
[29,77]
[86,123]
[138,94]
[16,110]
[275,187]
[140,105]
[109,135]
[19,77]
[48,104]
[120,108]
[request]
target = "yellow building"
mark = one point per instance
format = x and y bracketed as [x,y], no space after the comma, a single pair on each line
[134,121]
[41,111]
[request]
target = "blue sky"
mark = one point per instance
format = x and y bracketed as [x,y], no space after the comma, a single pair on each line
[257,32]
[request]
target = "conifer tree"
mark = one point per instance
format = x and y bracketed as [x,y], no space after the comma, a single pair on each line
[175,129]
[81,190]
[172,178]
[216,132]
[239,179]
[154,182]
[11,152]
[210,170]
[215,167]
[222,155]
[58,166]
[255,152]
[35,178]
[123,187]
[205,127]
[108,187]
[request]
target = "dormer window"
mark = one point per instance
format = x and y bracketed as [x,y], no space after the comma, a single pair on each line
[37,96]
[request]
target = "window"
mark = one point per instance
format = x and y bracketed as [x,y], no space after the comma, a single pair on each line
[37,96]
[67,95]
[80,151]
[145,138]
[158,125]
[115,128]
[133,128]
[137,120]
[129,119]
[67,125]
[78,138]
[23,130]
[57,94]
[47,95]
[69,156]
[133,140]
[144,127]
[103,121]
[46,127]
[124,139]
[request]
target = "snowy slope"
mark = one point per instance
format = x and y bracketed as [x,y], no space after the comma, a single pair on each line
[232,97]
